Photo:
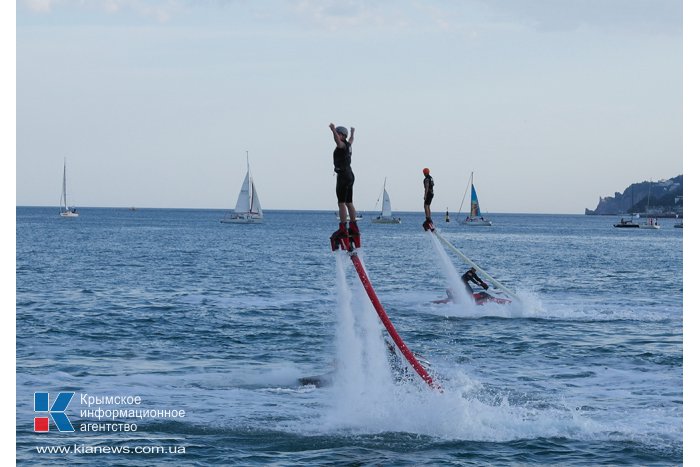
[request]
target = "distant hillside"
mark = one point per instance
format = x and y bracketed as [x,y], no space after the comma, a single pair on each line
[664,198]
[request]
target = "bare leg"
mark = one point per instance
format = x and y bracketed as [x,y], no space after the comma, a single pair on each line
[343,212]
[351,211]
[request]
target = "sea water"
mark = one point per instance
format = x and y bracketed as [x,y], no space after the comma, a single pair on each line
[209,326]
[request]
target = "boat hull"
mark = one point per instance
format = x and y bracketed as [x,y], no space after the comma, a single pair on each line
[477,222]
[384,220]
[651,223]
[69,214]
[242,219]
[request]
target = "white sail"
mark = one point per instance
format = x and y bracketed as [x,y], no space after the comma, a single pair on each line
[64,198]
[243,203]
[64,210]
[255,206]
[386,205]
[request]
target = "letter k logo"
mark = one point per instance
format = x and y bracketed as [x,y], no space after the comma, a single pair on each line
[57,411]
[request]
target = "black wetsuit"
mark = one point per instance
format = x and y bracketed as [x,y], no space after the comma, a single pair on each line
[345,178]
[428,183]
[471,276]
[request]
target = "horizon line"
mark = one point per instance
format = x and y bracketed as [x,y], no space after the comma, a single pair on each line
[305,210]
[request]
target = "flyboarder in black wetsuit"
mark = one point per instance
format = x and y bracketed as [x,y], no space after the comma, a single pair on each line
[342,158]
[470,276]
[428,194]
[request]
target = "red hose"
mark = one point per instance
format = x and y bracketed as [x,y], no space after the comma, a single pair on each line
[389,326]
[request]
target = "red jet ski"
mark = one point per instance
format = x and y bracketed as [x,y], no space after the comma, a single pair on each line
[480,298]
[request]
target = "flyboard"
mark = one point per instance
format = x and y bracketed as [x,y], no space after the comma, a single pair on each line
[428,226]
[349,244]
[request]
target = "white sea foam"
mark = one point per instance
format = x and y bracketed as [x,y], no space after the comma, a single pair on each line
[452,277]
[362,373]
[366,399]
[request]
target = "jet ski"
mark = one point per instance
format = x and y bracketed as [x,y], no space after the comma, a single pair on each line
[480,298]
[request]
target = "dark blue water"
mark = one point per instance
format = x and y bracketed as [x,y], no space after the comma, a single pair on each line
[220,321]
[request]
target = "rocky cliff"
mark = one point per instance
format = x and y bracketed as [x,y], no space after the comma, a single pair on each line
[663,198]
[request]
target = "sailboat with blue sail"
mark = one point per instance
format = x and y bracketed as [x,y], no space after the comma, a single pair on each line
[475,218]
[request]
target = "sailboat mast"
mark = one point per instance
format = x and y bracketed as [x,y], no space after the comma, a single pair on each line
[380,197]
[250,184]
[65,197]
[383,195]
[386,211]
[471,196]
[464,196]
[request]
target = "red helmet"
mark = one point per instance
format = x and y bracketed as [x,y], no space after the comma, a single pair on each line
[426,171]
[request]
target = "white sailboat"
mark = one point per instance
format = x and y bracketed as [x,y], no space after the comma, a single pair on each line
[651,223]
[248,209]
[474,218]
[64,210]
[386,216]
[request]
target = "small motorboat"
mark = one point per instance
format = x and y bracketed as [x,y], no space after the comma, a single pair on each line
[625,224]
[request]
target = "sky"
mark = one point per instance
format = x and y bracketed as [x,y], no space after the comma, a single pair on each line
[552,104]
